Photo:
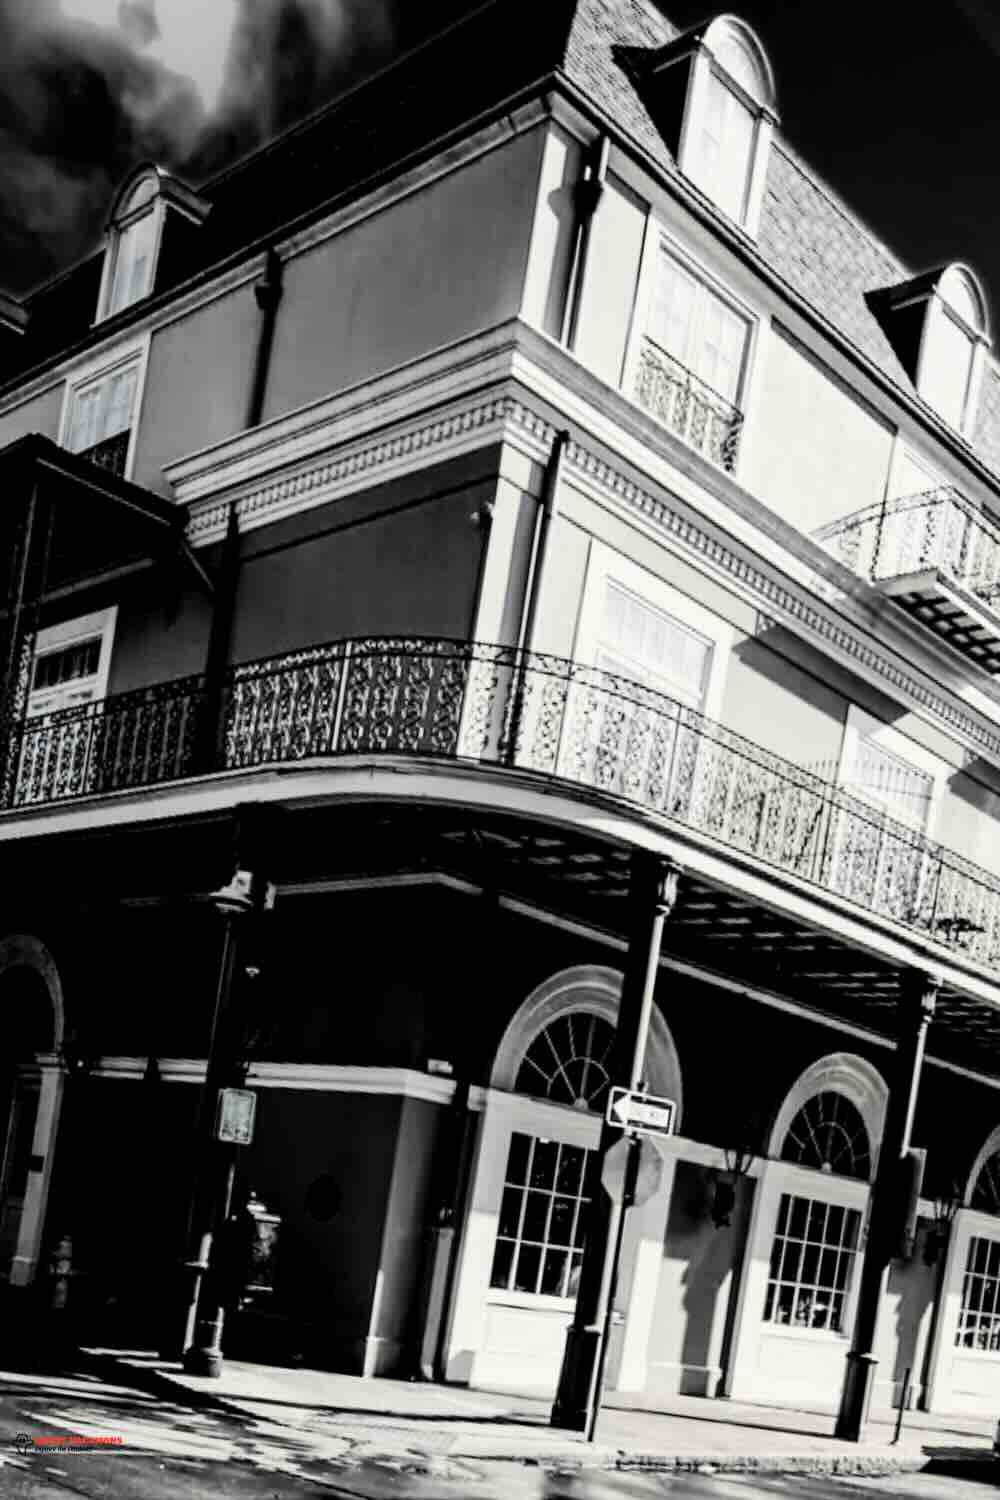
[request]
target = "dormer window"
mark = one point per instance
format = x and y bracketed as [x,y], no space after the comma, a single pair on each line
[729,119]
[955,338]
[135,234]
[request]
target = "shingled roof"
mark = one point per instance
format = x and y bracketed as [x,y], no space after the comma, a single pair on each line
[807,237]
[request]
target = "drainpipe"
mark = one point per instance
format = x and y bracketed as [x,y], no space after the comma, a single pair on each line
[589,191]
[267,292]
[209,746]
[547,512]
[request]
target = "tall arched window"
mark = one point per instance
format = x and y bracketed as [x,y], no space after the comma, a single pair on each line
[730,113]
[955,337]
[135,231]
[557,1051]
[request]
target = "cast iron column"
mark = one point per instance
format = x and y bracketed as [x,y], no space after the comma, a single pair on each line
[652,894]
[917,1001]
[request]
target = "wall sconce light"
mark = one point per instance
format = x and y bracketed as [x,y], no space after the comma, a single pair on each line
[739,1160]
[945,1209]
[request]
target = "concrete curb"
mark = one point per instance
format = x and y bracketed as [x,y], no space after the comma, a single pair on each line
[562,1458]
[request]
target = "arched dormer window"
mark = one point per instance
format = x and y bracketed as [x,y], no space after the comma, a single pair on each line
[953,345]
[135,234]
[729,119]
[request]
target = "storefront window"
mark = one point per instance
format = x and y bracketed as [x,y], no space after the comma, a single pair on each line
[979,1319]
[811,1264]
[542,1218]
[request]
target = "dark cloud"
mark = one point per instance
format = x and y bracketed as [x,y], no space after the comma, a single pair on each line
[85,96]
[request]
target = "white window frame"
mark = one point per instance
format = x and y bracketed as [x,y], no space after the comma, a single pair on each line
[658,241]
[859,723]
[937,310]
[704,65]
[604,565]
[113,359]
[72,632]
[156,209]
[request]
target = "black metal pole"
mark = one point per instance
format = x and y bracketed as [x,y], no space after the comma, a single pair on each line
[202,1215]
[652,895]
[628,1196]
[917,1001]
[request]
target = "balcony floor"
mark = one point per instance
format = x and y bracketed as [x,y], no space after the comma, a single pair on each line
[957,616]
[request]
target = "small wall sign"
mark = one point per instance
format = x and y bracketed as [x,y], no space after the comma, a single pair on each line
[234,1116]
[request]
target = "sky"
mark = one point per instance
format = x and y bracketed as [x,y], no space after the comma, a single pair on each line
[896,105]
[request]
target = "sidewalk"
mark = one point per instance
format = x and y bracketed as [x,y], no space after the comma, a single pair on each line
[411,1422]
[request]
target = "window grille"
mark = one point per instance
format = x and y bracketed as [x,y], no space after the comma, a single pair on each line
[540,1235]
[986,1193]
[568,1061]
[979,1318]
[811,1264]
[828,1133]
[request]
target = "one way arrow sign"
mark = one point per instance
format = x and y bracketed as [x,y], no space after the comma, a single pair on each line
[646,1113]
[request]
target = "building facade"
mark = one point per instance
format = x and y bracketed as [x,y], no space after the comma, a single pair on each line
[509,472]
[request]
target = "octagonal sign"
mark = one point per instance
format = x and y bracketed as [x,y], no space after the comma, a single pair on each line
[649,1176]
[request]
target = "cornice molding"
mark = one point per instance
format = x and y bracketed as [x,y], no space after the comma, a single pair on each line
[326,1078]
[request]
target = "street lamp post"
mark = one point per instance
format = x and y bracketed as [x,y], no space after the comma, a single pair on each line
[245,895]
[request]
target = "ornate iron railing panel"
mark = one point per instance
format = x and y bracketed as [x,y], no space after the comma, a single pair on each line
[131,740]
[690,408]
[574,725]
[111,453]
[937,529]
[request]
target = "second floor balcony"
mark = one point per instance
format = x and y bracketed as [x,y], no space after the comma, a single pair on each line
[938,557]
[570,726]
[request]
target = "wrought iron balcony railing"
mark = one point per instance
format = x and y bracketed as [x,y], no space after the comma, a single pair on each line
[492,705]
[937,530]
[690,408]
[111,453]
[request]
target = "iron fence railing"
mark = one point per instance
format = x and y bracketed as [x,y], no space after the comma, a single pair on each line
[495,706]
[937,529]
[130,740]
[111,453]
[690,408]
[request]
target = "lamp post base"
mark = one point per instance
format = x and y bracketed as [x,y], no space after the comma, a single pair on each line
[859,1382]
[204,1357]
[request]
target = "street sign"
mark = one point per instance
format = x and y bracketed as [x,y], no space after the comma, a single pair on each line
[234,1118]
[647,1113]
[649,1175]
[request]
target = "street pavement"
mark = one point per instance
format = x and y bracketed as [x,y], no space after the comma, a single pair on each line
[169,1451]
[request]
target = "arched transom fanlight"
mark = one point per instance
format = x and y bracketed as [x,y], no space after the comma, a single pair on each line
[828,1133]
[568,1061]
[986,1191]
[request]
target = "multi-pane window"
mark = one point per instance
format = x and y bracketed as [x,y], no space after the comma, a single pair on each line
[133,248]
[100,417]
[812,1260]
[724,148]
[540,1235]
[698,329]
[691,362]
[888,782]
[65,676]
[828,1133]
[568,1061]
[979,1316]
[648,646]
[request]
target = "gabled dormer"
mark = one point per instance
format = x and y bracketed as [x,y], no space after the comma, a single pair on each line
[711,94]
[135,233]
[938,325]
